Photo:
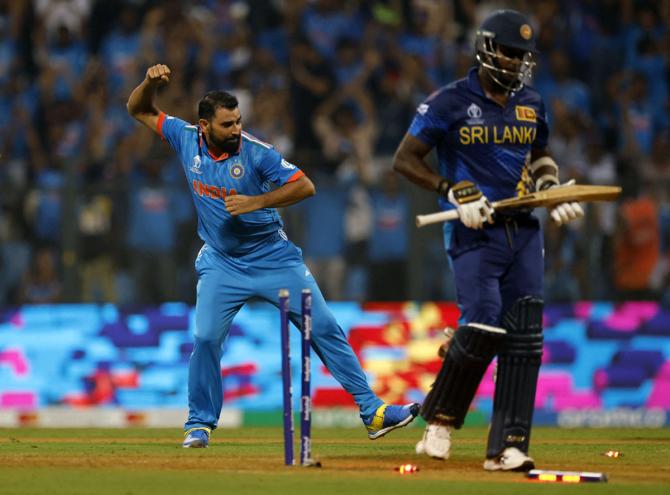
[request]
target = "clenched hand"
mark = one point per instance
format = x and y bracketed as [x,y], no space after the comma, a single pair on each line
[237,204]
[158,74]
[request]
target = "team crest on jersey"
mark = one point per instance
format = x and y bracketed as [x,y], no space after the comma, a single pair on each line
[195,168]
[527,114]
[236,171]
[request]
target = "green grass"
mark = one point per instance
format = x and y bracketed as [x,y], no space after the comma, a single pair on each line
[250,461]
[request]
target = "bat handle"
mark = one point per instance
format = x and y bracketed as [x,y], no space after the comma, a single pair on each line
[440,216]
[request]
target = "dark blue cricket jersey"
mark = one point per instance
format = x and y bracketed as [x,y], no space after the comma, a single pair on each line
[480,141]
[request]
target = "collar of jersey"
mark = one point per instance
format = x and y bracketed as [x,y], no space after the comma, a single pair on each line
[222,156]
[473,82]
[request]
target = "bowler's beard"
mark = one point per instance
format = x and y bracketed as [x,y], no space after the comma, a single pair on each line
[229,145]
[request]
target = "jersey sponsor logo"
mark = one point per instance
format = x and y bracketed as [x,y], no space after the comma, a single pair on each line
[236,171]
[287,165]
[422,109]
[195,168]
[526,114]
[210,191]
[479,134]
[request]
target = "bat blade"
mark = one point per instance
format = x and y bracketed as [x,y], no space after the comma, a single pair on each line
[556,195]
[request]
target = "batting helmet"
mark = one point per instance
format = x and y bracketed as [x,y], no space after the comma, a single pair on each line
[505,45]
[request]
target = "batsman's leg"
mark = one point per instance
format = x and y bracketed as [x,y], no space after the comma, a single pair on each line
[478,259]
[519,359]
[447,403]
[516,382]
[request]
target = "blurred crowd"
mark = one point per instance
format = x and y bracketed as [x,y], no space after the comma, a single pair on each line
[95,208]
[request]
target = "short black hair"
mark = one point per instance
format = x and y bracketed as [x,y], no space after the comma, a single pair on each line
[212,100]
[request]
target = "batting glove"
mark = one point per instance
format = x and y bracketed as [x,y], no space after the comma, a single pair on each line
[473,207]
[565,212]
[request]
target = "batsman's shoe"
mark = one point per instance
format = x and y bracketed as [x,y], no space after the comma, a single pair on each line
[389,417]
[196,438]
[436,442]
[511,459]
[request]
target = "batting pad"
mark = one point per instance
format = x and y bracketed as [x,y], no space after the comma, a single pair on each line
[516,380]
[470,353]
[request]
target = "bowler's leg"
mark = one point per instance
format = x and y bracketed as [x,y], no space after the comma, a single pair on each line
[331,345]
[328,339]
[219,298]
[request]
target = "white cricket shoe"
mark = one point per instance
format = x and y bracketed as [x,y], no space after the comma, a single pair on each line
[511,459]
[436,442]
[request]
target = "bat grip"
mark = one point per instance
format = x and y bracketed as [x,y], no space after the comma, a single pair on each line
[440,216]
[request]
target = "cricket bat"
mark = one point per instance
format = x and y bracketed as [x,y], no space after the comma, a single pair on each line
[546,198]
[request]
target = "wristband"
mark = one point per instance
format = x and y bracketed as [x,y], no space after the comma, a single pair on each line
[443,187]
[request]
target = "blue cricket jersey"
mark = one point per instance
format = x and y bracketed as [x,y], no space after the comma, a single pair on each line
[480,141]
[249,171]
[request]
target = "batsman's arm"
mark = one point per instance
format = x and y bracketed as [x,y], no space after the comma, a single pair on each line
[543,169]
[288,194]
[409,161]
[141,102]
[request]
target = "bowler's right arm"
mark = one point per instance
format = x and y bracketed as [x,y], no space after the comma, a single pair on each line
[141,103]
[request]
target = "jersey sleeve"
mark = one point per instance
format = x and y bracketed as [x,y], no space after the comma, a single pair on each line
[276,169]
[171,129]
[428,125]
[542,136]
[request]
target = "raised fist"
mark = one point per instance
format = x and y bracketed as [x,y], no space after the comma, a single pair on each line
[158,74]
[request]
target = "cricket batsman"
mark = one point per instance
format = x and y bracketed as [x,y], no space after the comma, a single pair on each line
[490,133]
[246,254]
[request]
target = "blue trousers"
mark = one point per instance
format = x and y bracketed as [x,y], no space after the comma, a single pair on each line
[495,266]
[224,285]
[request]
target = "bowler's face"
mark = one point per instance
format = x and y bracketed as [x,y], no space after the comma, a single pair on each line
[224,129]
